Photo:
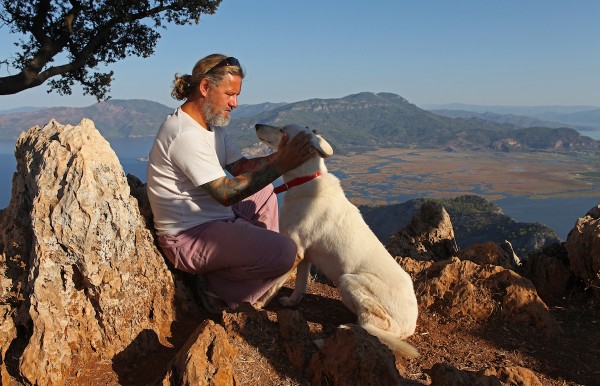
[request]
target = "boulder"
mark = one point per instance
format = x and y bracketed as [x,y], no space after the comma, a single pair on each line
[583,248]
[296,338]
[354,357]
[443,374]
[80,271]
[465,289]
[206,359]
[492,253]
[428,236]
[549,271]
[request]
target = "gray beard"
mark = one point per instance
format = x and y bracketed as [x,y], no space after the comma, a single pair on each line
[212,118]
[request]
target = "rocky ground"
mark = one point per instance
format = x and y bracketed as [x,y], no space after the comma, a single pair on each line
[86,298]
[458,347]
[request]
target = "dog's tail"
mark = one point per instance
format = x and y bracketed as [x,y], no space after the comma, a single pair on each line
[392,341]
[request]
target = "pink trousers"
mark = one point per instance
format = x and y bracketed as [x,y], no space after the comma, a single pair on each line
[240,258]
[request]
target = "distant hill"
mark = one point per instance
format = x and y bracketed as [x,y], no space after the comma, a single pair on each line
[114,118]
[388,120]
[24,109]
[251,110]
[511,119]
[364,119]
[584,117]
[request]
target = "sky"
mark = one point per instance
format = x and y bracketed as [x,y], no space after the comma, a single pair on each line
[511,53]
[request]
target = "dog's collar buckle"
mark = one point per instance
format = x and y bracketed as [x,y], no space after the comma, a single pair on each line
[295,182]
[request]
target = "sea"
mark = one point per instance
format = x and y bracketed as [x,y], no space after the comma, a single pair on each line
[559,214]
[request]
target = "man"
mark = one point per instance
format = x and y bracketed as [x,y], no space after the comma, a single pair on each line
[209,223]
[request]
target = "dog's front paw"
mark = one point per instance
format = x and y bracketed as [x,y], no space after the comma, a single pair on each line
[287,301]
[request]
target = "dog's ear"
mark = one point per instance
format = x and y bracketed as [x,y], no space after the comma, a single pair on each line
[321,146]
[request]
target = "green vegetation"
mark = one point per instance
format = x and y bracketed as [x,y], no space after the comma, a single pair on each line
[66,42]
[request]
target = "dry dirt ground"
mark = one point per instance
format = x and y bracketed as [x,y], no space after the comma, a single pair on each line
[573,358]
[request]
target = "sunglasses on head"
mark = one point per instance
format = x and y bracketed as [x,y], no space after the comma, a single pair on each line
[230,61]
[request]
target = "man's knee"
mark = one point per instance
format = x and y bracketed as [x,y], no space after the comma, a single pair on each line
[288,250]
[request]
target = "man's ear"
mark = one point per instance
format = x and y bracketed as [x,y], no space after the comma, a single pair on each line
[204,86]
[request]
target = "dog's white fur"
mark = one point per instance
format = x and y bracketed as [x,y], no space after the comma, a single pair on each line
[331,234]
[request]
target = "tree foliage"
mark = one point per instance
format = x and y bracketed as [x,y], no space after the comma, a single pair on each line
[68,40]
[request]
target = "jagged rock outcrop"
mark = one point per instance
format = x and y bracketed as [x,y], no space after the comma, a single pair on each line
[205,359]
[428,236]
[354,357]
[81,277]
[296,337]
[548,270]
[461,288]
[492,253]
[583,247]
[445,375]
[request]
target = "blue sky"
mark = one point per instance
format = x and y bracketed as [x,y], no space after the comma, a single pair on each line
[511,52]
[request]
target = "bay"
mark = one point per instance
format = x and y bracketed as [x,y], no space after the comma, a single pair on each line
[559,214]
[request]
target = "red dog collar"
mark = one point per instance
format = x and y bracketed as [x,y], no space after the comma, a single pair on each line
[295,182]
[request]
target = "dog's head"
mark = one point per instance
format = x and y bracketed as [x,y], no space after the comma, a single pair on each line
[271,135]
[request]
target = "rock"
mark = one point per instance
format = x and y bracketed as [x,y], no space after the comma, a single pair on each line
[354,357]
[205,359]
[445,375]
[583,248]
[80,269]
[429,236]
[464,289]
[549,271]
[295,335]
[491,253]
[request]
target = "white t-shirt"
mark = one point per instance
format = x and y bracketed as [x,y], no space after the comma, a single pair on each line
[184,156]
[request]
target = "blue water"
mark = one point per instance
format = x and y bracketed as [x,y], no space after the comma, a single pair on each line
[560,214]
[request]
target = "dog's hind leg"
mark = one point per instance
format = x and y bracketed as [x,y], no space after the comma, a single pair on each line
[372,316]
[302,275]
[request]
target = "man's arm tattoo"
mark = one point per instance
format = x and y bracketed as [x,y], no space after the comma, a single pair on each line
[229,191]
[245,165]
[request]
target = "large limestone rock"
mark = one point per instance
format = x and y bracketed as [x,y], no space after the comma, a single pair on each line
[79,271]
[583,247]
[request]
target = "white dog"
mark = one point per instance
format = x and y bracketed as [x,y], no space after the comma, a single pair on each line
[331,234]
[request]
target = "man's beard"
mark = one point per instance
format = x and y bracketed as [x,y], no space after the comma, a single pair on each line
[215,118]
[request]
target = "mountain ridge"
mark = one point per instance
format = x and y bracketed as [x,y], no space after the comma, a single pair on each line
[364,119]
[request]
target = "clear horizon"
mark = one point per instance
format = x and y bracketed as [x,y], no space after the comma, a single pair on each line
[534,53]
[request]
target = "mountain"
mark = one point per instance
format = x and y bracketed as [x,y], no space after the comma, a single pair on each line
[360,120]
[24,109]
[114,118]
[251,110]
[512,119]
[584,117]
[388,120]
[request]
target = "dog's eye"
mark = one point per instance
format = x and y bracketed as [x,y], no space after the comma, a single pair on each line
[281,130]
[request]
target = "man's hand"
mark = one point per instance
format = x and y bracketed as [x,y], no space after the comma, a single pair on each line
[251,175]
[291,154]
